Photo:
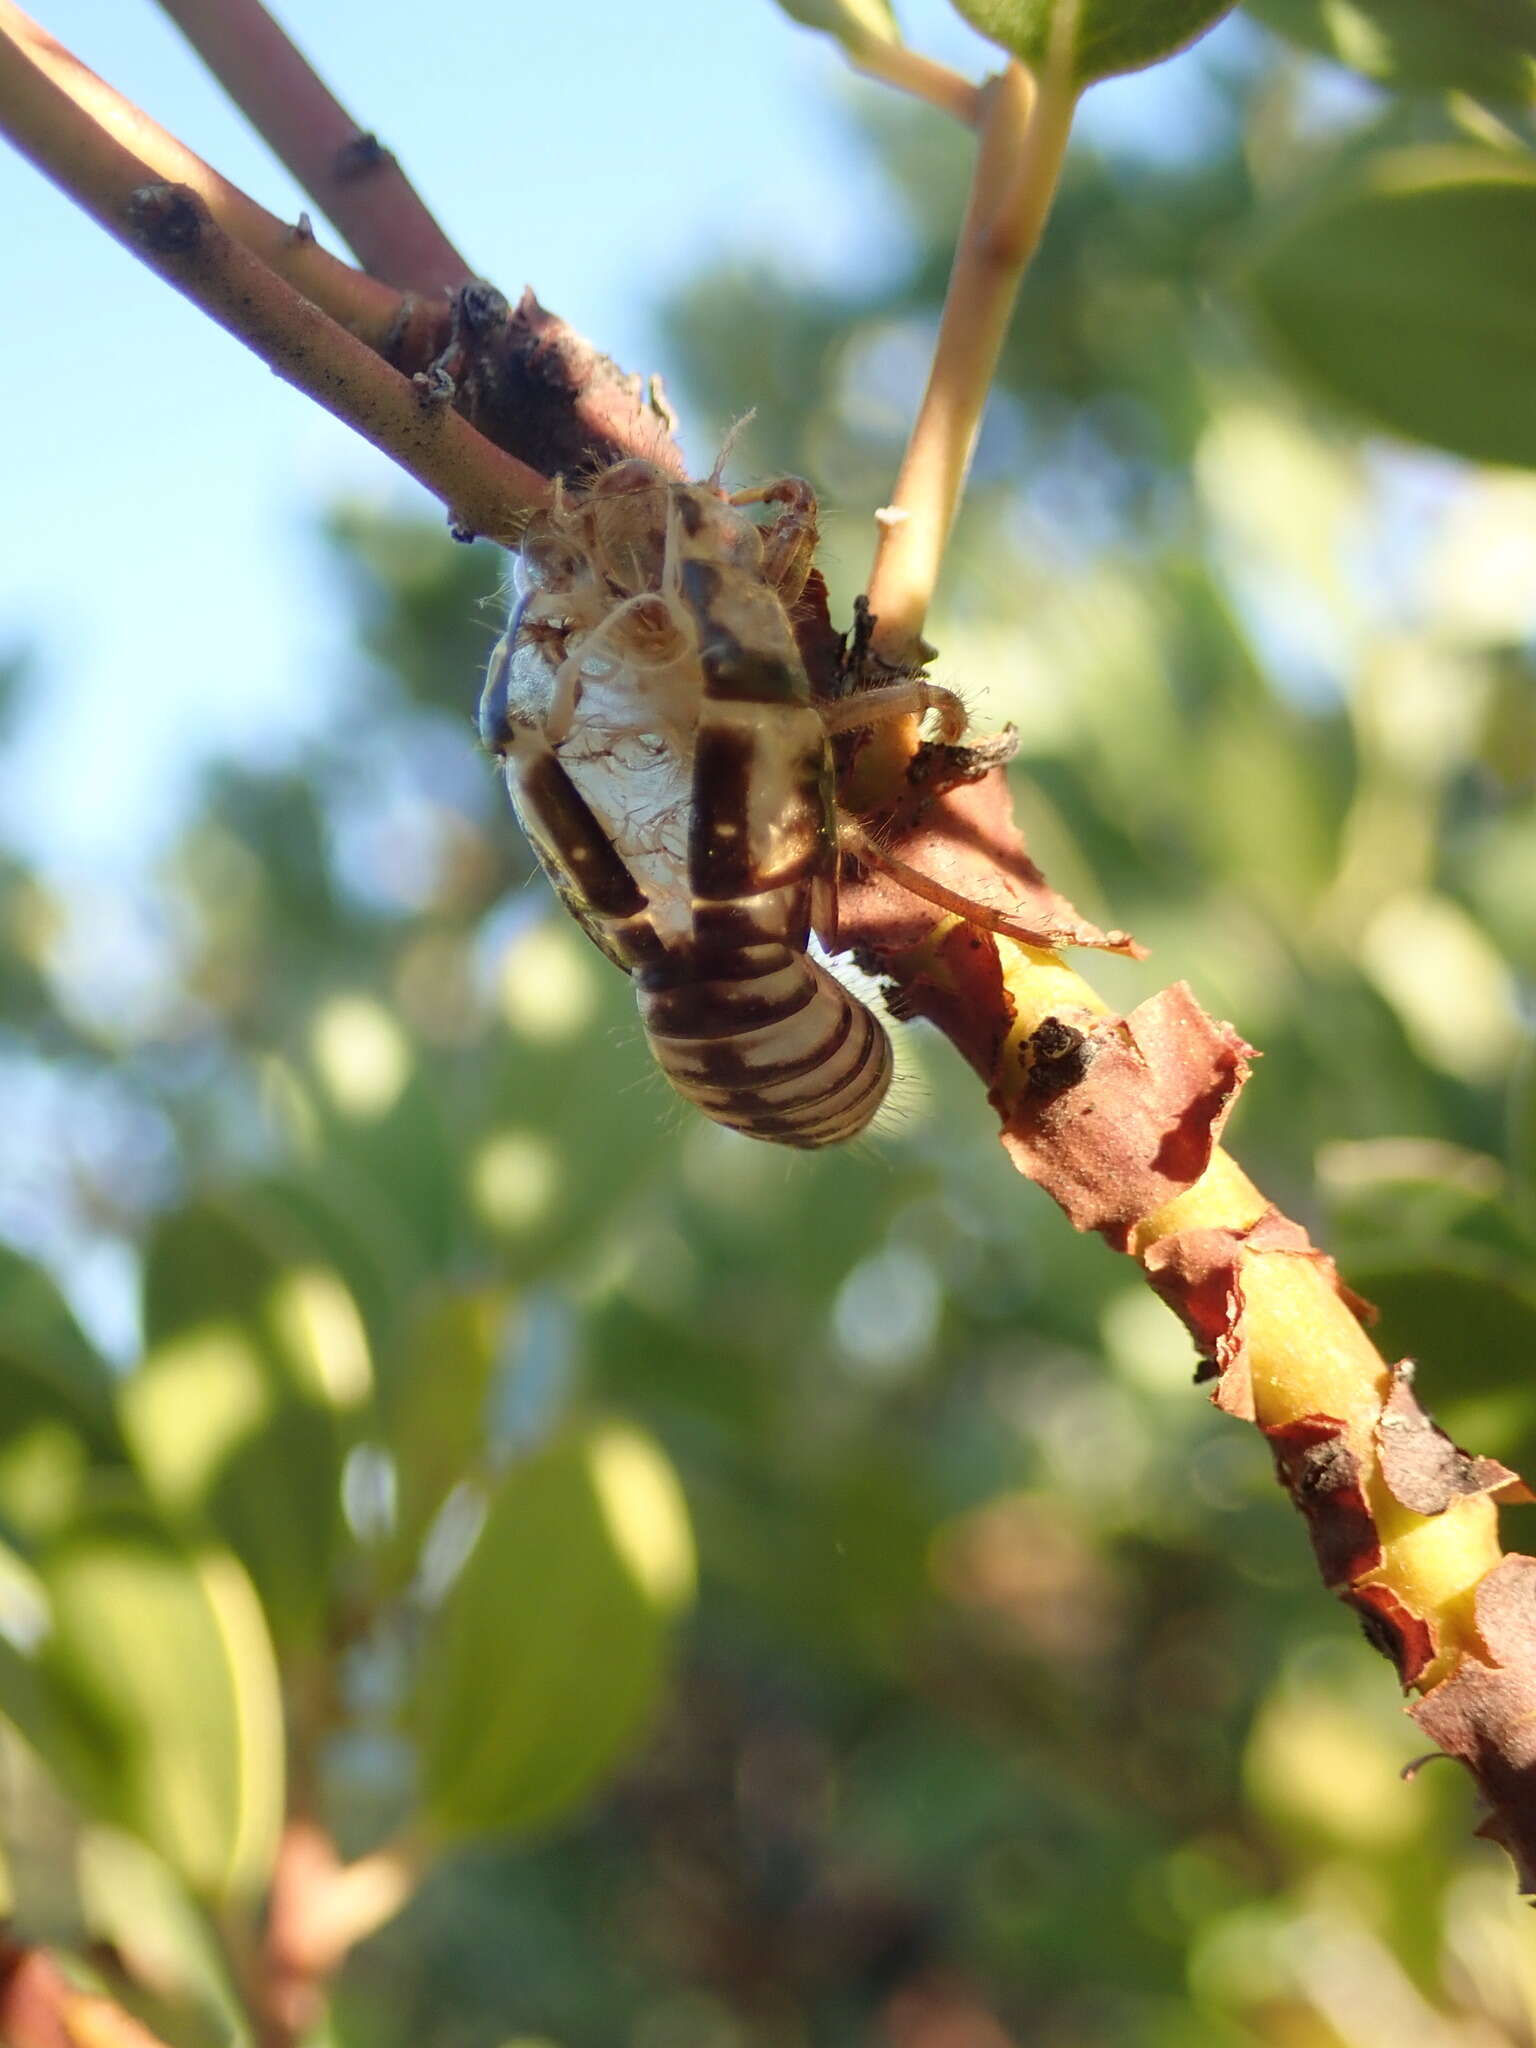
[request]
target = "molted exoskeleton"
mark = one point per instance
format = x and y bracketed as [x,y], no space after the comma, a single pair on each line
[673,772]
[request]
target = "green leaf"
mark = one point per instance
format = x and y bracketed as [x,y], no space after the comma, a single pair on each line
[1468,1318]
[41,1342]
[856,23]
[550,1649]
[132,1899]
[1521,1122]
[254,1386]
[1101,38]
[1485,47]
[56,1403]
[435,1405]
[165,1713]
[34,1317]
[576,1117]
[1401,288]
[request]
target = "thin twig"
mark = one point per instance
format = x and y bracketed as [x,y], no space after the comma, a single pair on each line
[348,173]
[909,71]
[40,2008]
[370,309]
[169,228]
[1023,138]
[319,1908]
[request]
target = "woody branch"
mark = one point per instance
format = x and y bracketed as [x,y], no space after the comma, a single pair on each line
[345,169]
[171,228]
[1119,1118]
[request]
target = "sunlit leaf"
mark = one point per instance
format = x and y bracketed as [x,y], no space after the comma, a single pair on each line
[171,1722]
[132,1899]
[256,1379]
[1396,288]
[855,23]
[549,1653]
[1093,39]
[1487,47]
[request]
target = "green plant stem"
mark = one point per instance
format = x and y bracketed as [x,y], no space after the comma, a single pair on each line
[909,71]
[1024,131]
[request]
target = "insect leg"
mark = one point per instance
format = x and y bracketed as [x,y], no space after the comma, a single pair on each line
[565,695]
[570,841]
[908,699]
[671,553]
[855,841]
[495,724]
[789,545]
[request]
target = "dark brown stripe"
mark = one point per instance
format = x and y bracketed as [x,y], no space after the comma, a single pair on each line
[784,917]
[720,854]
[811,1099]
[707,1010]
[684,966]
[719,1062]
[732,668]
[557,813]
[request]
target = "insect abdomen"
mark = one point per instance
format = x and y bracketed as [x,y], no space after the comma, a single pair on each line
[762,1039]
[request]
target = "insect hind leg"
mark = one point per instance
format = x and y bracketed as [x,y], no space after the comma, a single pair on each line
[855,841]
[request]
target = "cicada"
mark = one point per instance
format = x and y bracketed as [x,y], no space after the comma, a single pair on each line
[672,767]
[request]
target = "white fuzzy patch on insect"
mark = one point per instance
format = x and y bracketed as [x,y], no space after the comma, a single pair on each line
[909,1095]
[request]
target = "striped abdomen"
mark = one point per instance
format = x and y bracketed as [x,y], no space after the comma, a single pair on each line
[762,1039]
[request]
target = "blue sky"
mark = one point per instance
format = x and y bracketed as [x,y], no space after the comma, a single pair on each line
[156,552]
[155,549]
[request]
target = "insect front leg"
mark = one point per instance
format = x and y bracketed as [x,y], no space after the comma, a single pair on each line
[789,545]
[496,734]
[565,695]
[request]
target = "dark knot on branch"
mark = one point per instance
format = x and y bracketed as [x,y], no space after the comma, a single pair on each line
[168,219]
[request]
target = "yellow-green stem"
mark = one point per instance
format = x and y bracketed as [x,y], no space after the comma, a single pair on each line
[1024,130]
[1308,1353]
[909,71]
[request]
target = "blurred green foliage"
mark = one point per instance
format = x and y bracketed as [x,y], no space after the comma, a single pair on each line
[1009,1710]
